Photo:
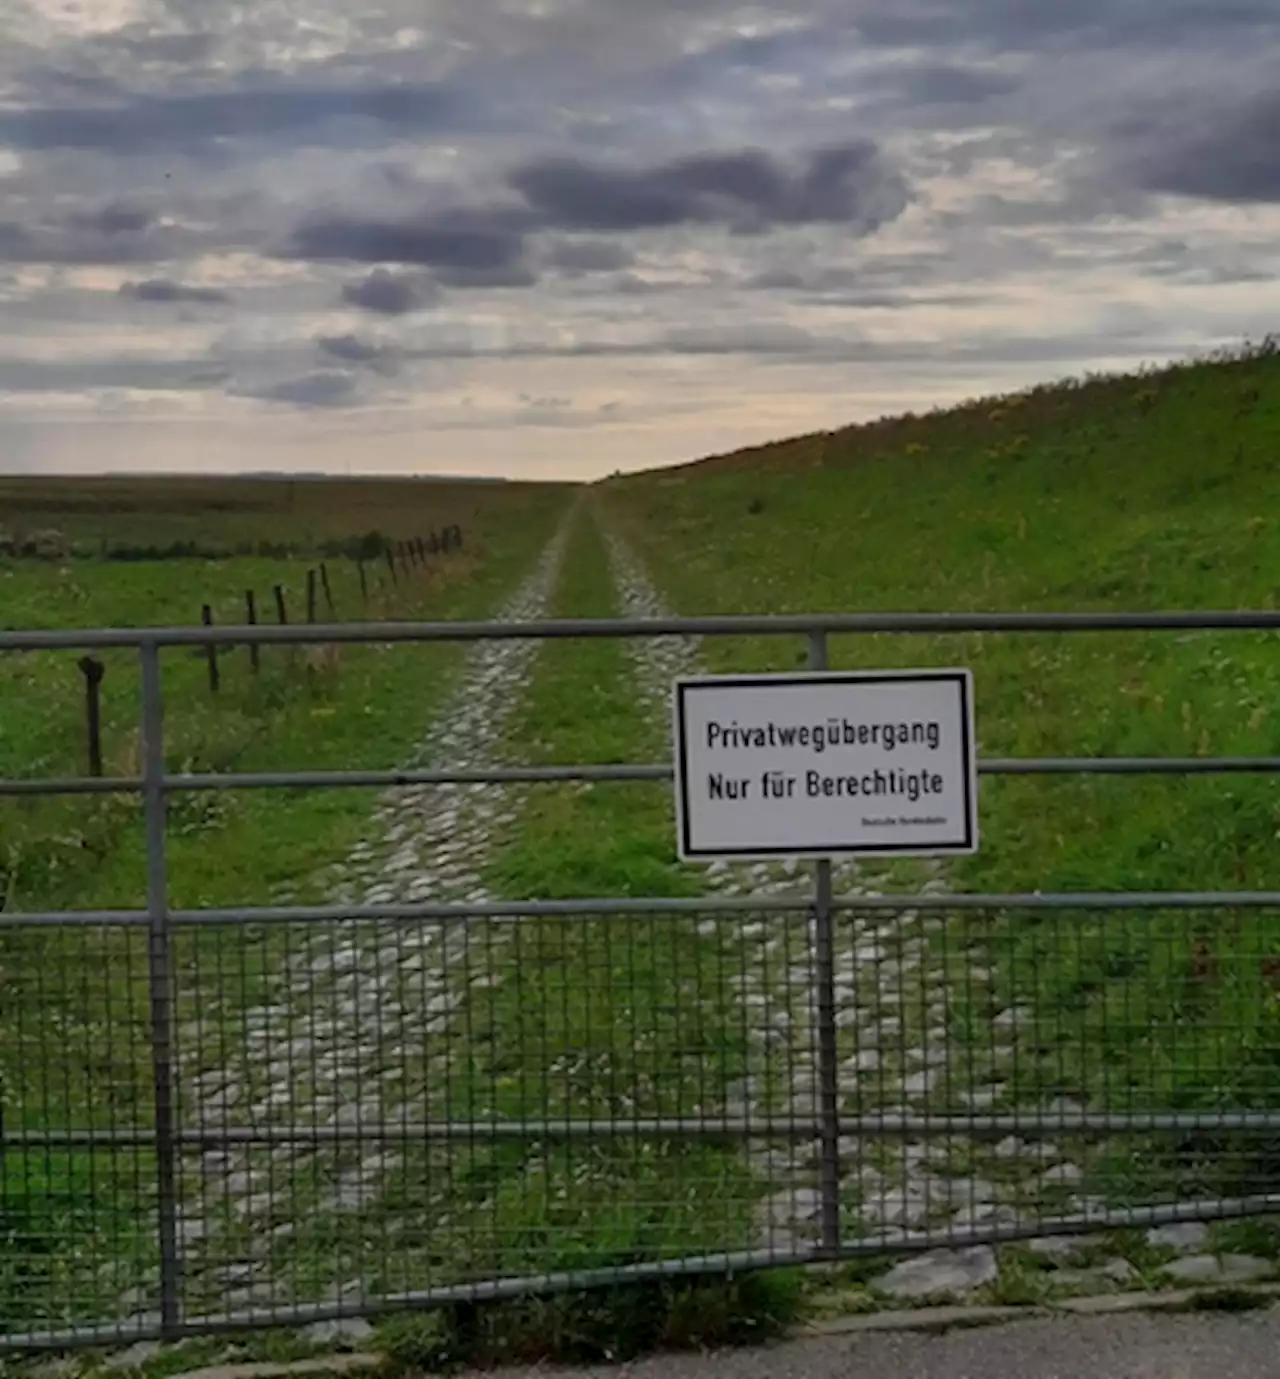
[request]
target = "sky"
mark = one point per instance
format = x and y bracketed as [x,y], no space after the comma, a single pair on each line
[561,238]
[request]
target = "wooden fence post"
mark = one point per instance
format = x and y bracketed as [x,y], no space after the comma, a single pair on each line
[364,582]
[210,651]
[328,591]
[93,671]
[251,614]
[311,596]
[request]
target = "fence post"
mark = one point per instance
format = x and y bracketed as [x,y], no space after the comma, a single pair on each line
[328,592]
[311,596]
[210,651]
[93,671]
[251,612]
[364,581]
[828,1056]
[160,977]
[282,612]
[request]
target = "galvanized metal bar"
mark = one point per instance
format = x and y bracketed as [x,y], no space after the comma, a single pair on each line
[74,919]
[1127,766]
[73,785]
[160,976]
[605,906]
[485,1290]
[514,775]
[828,1055]
[497,1289]
[778,904]
[673,1127]
[517,775]
[754,625]
[1030,1124]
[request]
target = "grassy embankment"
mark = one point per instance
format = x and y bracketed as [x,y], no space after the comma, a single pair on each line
[1150,492]
[73,1049]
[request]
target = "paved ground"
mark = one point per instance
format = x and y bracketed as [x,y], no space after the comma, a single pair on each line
[1137,1346]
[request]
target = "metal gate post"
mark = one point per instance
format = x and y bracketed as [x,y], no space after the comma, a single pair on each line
[160,977]
[828,1072]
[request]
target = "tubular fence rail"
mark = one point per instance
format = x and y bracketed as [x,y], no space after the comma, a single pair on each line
[268,1115]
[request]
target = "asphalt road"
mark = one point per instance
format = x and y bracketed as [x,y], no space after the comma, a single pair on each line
[1131,1346]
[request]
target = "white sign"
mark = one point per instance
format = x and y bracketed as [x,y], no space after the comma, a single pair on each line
[823,764]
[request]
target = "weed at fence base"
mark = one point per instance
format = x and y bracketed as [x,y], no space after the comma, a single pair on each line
[600,1325]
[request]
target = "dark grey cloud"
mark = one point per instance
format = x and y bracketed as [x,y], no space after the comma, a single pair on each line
[352,349]
[190,123]
[110,234]
[932,84]
[1225,152]
[320,388]
[117,218]
[577,257]
[480,240]
[390,294]
[146,44]
[851,184]
[518,273]
[489,246]
[167,290]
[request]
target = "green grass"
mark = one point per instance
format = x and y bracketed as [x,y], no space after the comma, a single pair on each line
[73,1033]
[129,514]
[1153,492]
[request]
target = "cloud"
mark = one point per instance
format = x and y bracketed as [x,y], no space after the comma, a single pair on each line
[778,338]
[167,290]
[1046,25]
[851,184]
[517,273]
[488,245]
[1226,152]
[196,122]
[390,294]
[112,233]
[319,388]
[465,241]
[577,257]
[22,375]
[351,349]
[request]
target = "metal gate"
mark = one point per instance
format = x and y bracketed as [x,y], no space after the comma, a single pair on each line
[271,1115]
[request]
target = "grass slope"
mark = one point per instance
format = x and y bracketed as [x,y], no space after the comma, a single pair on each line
[1149,492]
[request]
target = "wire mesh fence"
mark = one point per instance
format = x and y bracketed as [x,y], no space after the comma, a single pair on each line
[220,1118]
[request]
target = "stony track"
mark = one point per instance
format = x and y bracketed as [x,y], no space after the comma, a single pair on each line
[363,1024]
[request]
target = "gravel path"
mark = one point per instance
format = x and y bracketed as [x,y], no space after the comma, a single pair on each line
[363,1024]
